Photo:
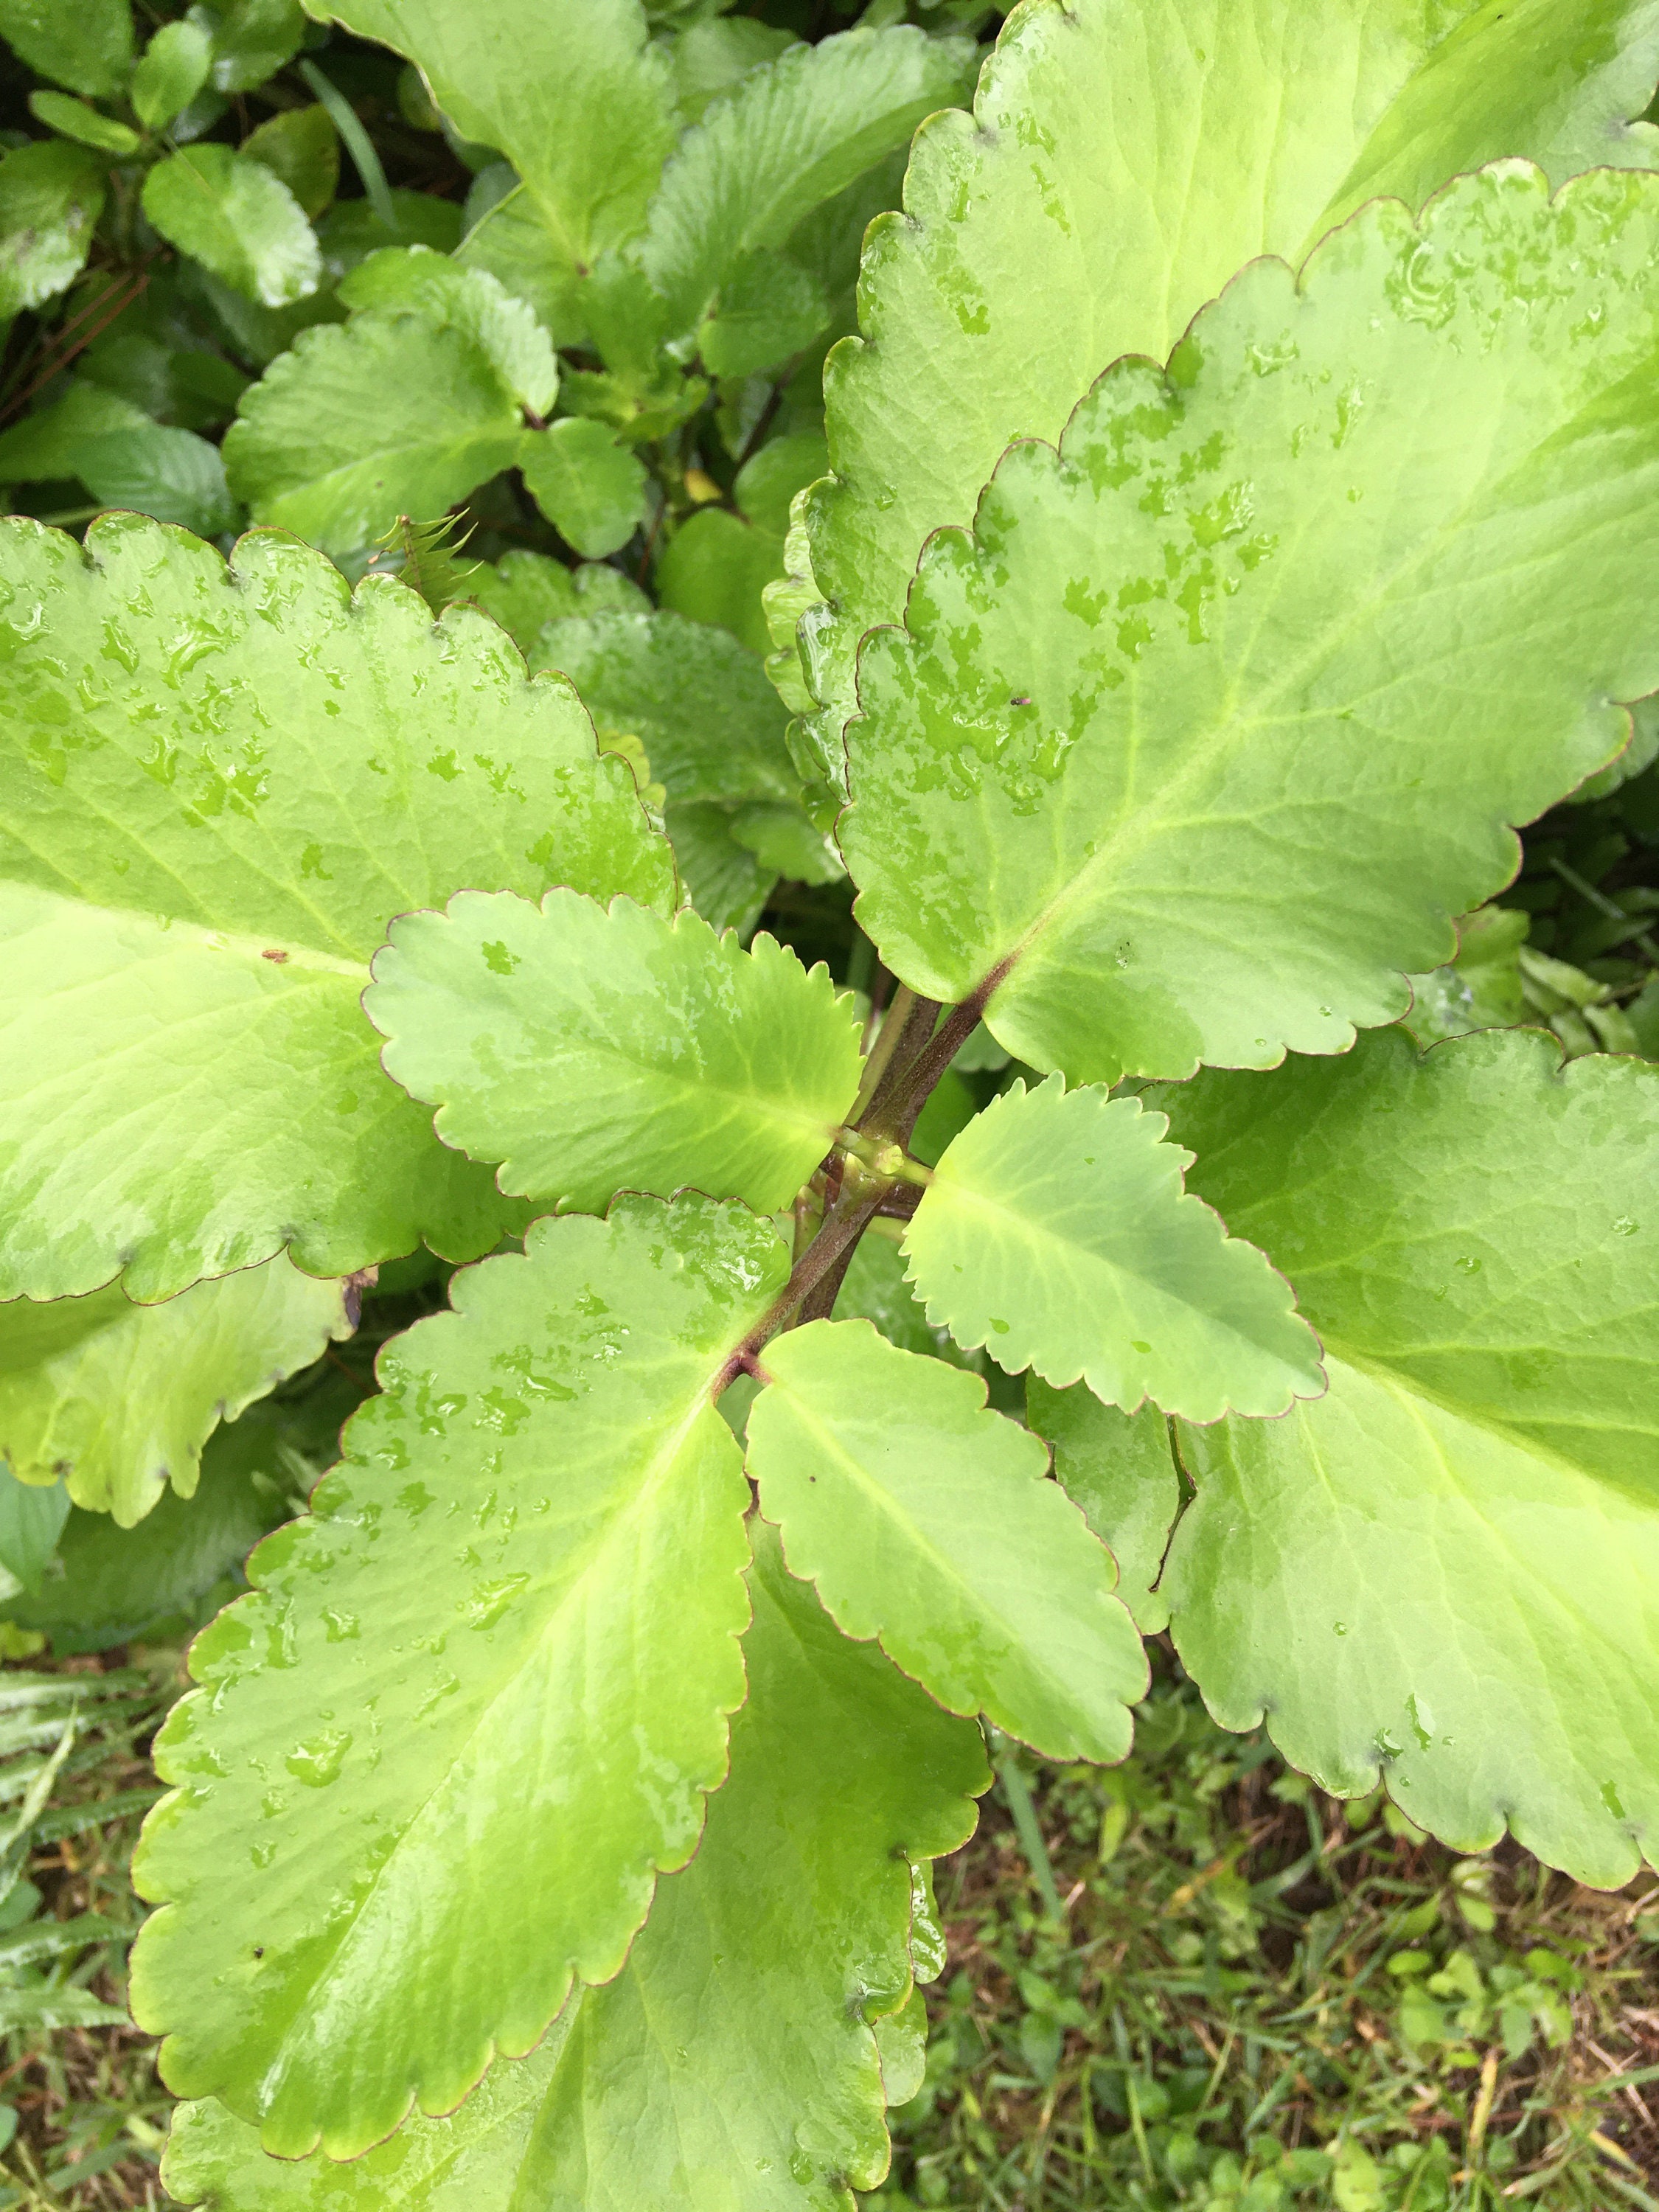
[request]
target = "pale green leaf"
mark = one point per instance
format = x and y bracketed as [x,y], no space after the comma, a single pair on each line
[237,218]
[1055,1234]
[591,486]
[480,1691]
[929,1523]
[414,280]
[85,125]
[1639,755]
[569,90]
[1228,704]
[300,146]
[733,2060]
[173,71]
[510,241]
[873,1289]
[363,421]
[89,47]
[591,1050]
[787,137]
[1124,159]
[116,1400]
[51,196]
[1444,1570]
[1118,1467]
[110,1585]
[746,2046]
[200,856]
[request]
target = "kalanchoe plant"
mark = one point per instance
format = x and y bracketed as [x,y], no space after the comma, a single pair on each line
[552,1825]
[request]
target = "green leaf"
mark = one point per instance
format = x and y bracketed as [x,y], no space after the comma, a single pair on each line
[50,198]
[745,2034]
[482,1689]
[700,703]
[1444,1570]
[510,242]
[1480,989]
[715,569]
[470,2160]
[590,1049]
[738,2041]
[173,71]
[587,483]
[191,885]
[84,125]
[351,230]
[1092,204]
[523,591]
[112,1585]
[569,90]
[237,218]
[362,422]
[1054,1233]
[1118,1468]
[31,1521]
[726,884]
[787,137]
[252,41]
[769,307]
[1226,706]
[929,1523]
[302,147]
[415,280]
[116,1400]
[709,57]
[122,458]
[873,1289]
[89,48]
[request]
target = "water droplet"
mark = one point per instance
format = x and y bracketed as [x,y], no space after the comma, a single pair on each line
[317,1762]
[1625,1226]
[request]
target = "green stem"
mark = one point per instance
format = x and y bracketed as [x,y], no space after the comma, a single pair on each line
[900,1015]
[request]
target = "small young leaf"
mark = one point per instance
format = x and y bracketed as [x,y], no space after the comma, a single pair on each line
[116,1400]
[587,483]
[192,883]
[173,71]
[302,147]
[89,47]
[1444,1570]
[481,1690]
[592,1050]
[84,125]
[929,1523]
[1228,704]
[237,219]
[1118,1467]
[51,197]
[751,2028]
[1055,1234]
